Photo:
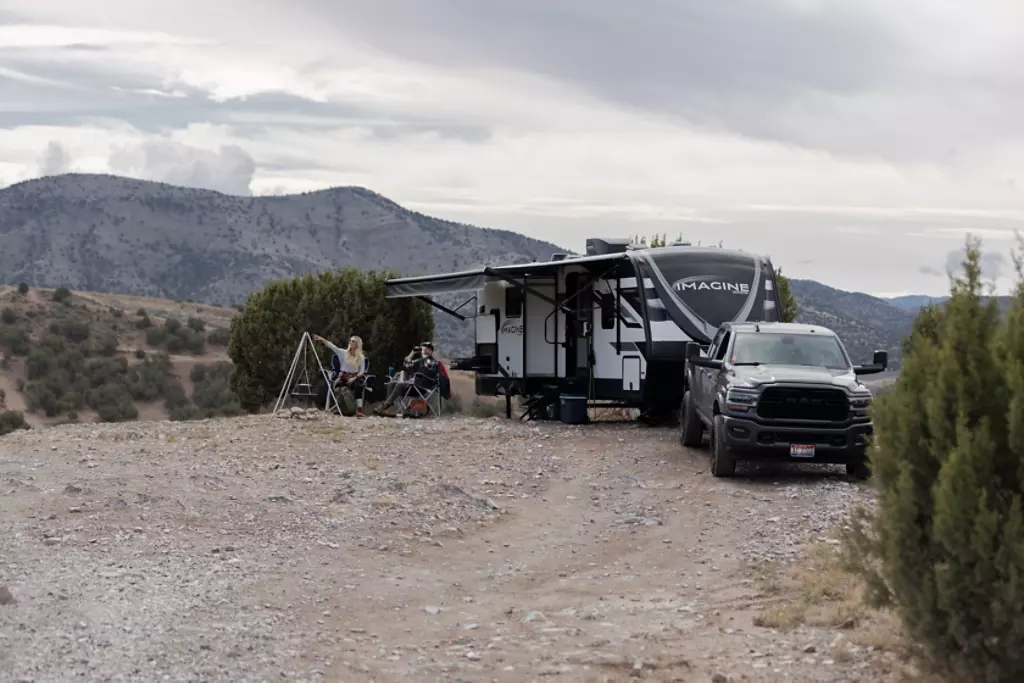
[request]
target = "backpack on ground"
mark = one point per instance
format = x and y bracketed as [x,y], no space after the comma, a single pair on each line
[346,400]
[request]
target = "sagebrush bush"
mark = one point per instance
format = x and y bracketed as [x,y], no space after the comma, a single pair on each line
[12,420]
[211,393]
[219,336]
[15,340]
[156,336]
[945,546]
[113,403]
[75,331]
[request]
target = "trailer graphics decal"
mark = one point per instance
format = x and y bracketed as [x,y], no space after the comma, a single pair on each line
[512,327]
[709,283]
[700,290]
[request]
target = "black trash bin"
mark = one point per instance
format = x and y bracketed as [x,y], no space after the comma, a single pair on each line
[573,409]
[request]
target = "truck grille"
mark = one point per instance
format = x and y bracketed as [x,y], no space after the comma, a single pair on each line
[794,403]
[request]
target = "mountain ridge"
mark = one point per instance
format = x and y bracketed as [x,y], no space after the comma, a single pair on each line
[107,233]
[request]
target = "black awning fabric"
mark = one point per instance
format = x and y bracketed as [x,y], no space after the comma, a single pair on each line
[472,280]
[430,285]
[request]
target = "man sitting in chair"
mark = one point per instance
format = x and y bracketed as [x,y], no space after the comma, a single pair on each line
[351,373]
[421,370]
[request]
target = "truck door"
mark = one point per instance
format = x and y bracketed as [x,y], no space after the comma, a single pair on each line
[698,373]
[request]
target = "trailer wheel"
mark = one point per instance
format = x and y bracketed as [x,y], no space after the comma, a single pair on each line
[691,429]
[723,462]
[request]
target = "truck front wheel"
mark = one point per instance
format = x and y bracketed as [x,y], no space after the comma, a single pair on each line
[691,429]
[859,469]
[723,461]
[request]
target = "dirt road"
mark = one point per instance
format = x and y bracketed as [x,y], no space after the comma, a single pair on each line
[260,549]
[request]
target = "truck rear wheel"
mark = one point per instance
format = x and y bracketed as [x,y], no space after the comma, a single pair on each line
[691,429]
[723,461]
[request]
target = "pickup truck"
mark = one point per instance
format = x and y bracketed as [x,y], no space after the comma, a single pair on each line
[781,392]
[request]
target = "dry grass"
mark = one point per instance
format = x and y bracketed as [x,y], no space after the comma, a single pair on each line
[781,617]
[819,593]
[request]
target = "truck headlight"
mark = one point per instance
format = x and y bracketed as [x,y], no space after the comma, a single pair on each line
[859,405]
[740,400]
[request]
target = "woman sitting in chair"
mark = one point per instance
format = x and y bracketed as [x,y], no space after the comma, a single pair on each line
[352,364]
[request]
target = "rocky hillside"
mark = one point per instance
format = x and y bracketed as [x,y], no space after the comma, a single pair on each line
[131,237]
[81,357]
[112,234]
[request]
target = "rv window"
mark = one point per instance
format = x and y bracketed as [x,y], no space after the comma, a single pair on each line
[513,302]
[607,312]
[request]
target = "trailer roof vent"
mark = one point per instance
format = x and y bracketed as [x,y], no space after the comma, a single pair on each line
[597,246]
[559,257]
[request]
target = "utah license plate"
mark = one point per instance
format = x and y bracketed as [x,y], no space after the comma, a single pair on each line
[797,451]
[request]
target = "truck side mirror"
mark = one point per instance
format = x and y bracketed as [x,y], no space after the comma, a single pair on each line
[878,364]
[692,350]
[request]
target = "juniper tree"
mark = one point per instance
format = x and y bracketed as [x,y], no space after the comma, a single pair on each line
[945,546]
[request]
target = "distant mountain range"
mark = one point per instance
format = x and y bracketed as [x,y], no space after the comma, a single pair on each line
[124,236]
[914,302]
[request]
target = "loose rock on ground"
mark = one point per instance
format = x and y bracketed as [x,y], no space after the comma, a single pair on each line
[335,549]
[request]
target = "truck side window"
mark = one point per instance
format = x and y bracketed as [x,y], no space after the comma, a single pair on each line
[713,348]
[723,346]
[513,302]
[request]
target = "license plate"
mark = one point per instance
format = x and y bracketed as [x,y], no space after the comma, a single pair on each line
[801,451]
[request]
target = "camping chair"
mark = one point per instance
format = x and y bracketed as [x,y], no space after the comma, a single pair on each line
[419,398]
[335,372]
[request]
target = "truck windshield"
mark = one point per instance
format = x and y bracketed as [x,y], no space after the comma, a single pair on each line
[788,349]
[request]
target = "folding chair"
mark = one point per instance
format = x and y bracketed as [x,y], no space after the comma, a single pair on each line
[414,393]
[335,372]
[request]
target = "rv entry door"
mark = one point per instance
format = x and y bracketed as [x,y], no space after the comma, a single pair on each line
[580,300]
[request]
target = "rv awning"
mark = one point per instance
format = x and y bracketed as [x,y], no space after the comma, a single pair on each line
[472,280]
[429,285]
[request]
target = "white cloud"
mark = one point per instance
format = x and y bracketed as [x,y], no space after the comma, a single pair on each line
[227,169]
[55,160]
[516,122]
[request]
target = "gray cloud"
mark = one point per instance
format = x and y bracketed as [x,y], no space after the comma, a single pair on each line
[229,169]
[55,160]
[994,264]
[851,77]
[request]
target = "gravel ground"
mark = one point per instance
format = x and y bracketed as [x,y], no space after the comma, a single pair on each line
[331,549]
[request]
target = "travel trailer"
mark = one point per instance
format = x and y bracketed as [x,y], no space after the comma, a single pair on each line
[607,328]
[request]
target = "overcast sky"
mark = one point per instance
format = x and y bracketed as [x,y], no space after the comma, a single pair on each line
[854,141]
